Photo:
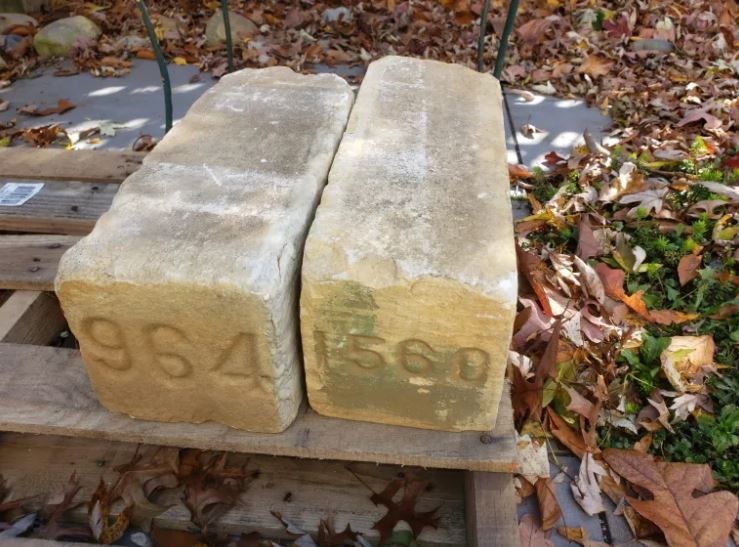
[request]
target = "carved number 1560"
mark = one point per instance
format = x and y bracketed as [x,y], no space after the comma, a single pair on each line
[414,355]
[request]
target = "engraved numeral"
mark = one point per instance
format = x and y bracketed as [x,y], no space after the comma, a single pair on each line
[171,363]
[107,335]
[361,356]
[471,364]
[239,360]
[413,356]
[167,349]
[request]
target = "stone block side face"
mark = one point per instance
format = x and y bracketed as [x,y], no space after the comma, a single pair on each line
[409,274]
[174,352]
[184,296]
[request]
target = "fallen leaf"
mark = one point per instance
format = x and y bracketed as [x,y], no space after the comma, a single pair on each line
[4,104]
[572,439]
[533,458]
[686,360]
[585,488]
[531,534]
[595,66]
[528,130]
[405,509]
[548,506]
[687,269]
[54,513]
[711,122]
[99,516]
[517,171]
[587,246]
[329,537]
[685,519]
[63,105]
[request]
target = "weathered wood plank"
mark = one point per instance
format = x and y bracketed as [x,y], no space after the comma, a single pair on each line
[46,390]
[491,509]
[99,166]
[36,465]
[30,317]
[31,261]
[60,208]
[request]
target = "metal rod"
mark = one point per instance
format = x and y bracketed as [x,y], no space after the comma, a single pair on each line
[481,38]
[510,19]
[227,30]
[161,61]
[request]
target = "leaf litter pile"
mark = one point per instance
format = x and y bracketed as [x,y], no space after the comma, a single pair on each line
[626,345]
[157,479]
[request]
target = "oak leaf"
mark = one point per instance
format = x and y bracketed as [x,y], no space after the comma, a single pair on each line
[403,510]
[686,520]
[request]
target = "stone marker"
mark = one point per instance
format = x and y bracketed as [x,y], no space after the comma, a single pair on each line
[409,273]
[184,296]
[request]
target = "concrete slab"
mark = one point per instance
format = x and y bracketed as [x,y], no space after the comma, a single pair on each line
[131,106]
[561,121]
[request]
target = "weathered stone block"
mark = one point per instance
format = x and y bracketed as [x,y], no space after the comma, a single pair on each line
[184,296]
[409,273]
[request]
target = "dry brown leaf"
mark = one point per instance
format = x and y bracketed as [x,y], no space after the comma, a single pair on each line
[686,360]
[687,269]
[686,520]
[548,506]
[585,488]
[531,534]
[595,66]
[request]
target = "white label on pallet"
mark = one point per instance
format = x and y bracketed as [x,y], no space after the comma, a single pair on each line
[13,194]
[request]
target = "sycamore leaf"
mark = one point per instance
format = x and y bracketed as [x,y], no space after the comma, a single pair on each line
[533,458]
[585,488]
[686,520]
[649,201]
[578,535]
[686,360]
[548,507]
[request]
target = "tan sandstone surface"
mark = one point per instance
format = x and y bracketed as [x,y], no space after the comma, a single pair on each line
[409,275]
[184,296]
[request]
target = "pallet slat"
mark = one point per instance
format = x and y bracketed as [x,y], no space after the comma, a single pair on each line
[491,509]
[80,165]
[60,208]
[30,317]
[31,261]
[46,390]
[36,465]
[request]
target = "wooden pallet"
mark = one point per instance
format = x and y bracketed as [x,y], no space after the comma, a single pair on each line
[45,390]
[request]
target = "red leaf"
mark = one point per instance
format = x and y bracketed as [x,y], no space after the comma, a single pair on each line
[552,159]
[587,246]
[533,269]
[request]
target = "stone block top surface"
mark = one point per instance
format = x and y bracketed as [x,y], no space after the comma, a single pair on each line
[223,198]
[418,130]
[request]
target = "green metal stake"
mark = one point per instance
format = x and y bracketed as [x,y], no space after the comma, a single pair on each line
[510,19]
[481,38]
[227,30]
[163,72]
